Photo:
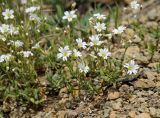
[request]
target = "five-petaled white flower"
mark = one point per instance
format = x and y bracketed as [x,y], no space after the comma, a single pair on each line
[26,53]
[5,57]
[132,67]
[64,53]
[100,27]
[134,5]
[83,68]
[4,28]
[77,53]
[104,53]
[69,15]
[119,30]
[80,43]
[99,16]
[8,14]
[95,40]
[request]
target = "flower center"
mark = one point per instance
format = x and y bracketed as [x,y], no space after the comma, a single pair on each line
[130,68]
[8,14]
[65,54]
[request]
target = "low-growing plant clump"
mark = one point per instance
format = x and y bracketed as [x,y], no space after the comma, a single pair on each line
[68,49]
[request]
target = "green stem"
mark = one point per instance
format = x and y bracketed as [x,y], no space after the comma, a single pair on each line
[116,15]
[123,57]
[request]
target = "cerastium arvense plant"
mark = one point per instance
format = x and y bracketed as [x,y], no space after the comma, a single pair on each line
[85,56]
[20,27]
[69,54]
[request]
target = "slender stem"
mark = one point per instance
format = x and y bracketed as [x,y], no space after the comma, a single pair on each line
[116,15]
[95,5]
[79,86]
[156,46]
[123,57]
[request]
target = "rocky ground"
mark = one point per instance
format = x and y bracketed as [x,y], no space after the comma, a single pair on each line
[137,99]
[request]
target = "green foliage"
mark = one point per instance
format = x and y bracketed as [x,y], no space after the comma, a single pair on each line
[43,38]
[18,75]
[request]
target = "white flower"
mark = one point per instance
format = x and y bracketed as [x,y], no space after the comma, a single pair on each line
[2,38]
[69,15]
[100,16]
[104,53]
[9,29]
[32,9]
[81,44]
[132,67]
[64,53]
[119,30]
[5,57]
[77,53]
[13,30]
[83,68]
[100,27]
[4,28]
[8,14]
[115,31]
[95,40]
[18,43]
[34,17]
[134,5]
[26,53]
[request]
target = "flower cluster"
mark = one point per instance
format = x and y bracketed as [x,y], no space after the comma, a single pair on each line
[72,52]
[19,31]
[9,29]
[134,5]
[94,44]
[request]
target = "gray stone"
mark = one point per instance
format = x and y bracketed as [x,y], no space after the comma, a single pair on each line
[144,83]
[152,15]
